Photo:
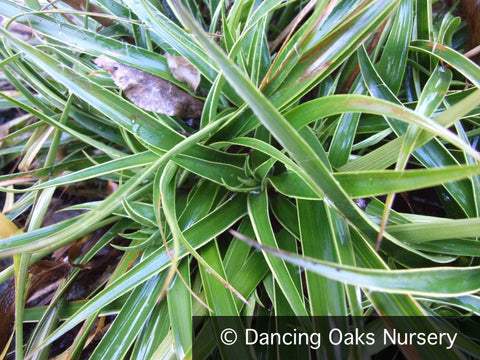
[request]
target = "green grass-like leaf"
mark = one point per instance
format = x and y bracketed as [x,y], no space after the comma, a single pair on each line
[324,125]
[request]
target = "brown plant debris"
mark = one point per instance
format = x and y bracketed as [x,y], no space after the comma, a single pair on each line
[42,274]
[82,6]
[184,71]
[150,92]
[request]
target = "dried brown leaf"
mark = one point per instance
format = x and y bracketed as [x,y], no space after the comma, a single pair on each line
[112,187]
[82,6]
[7,227]
[469,10]
[150,92]
[7,312]
[184,71]
[43,273]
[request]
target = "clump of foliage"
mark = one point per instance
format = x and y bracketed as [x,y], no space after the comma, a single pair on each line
[310,109]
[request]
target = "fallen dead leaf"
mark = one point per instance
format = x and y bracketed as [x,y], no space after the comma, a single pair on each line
[184,71]
[150,92]
[112,187]
[82,6]
[7,227]
[42,274]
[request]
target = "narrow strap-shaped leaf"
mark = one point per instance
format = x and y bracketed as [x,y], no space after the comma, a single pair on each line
[130,320]
[318,239]
[154,331]
[440,281]
[258,211]
[395,54]
[180,309]
[437,230]
[219,298]
[359,184]
[459,62]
